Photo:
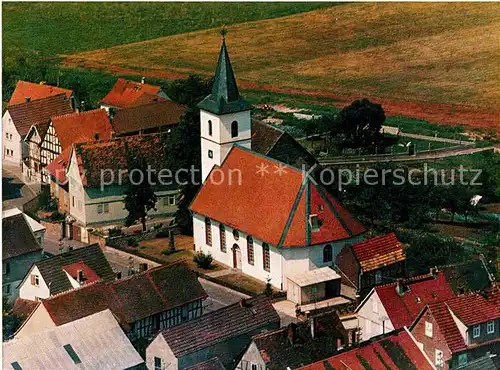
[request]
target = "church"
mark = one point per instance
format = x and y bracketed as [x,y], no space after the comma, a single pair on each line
[258,212]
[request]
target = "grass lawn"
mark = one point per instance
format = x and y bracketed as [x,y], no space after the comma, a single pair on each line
[440,53]
[62,27]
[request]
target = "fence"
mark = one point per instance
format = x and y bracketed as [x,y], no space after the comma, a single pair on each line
[122,241]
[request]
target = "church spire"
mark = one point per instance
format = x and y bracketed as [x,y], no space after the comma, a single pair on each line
[224,97]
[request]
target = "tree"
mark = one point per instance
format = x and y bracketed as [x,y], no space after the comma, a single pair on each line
[139,196]
[183,144]
[425,250]
[359,124]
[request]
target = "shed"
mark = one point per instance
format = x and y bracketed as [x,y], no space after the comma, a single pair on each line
[313,286]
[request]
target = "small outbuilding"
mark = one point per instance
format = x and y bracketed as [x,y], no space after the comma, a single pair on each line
[313,286]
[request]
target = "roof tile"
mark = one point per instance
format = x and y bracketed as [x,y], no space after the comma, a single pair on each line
[278,215]
[34,91]
[127,93]
[378,252]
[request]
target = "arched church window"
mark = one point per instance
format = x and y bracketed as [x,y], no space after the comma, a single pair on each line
[222,231]
[266,257]
[208,232]
[210,127]
[234,129]
[327,253]
[250,250]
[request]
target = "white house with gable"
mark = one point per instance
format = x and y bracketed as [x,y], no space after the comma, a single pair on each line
[255,213]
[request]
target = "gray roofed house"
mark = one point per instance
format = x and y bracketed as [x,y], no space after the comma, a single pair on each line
[66,271]
[21,247]
[93,342]
[224,333]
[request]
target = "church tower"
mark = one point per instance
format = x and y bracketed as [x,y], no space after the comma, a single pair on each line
[224,115]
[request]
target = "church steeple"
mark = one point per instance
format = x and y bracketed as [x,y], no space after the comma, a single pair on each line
[224,98]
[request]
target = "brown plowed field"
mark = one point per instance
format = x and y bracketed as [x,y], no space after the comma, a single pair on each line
[435,61]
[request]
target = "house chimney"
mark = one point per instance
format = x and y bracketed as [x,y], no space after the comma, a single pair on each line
[434,272]
[79,276]
[399,287]
[42,82]
[143,79]
[291,333]
[27,99]
[243,302]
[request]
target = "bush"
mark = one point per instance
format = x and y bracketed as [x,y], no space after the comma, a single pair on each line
[268,290]
[115,231]
[158,226]
[57,216]
[132,241]
[203,260]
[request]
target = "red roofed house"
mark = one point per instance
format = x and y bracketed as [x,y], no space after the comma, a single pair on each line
[127,93]
[376,261]
[255,213]
[395,351]
[25,91]
[143,303]
[459,330]
[18,120]
[48,140]
[98,202]
[392,306]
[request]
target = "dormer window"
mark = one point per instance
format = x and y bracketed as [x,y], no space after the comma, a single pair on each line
[314,222]
[320,207]
[476,331]
[234,129]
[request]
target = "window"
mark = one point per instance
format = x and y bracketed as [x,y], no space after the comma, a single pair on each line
[210,154]
[6,268]
[236,234]
[327,253]
[158,363]
[375,306]
[250,250]
[378,277]
[428,329]
[169,200]
[439,359]
[6,289]
[222,231]
[234,129]
[15,365]
[254,367]
[72,354]
[490,327]
[462,359]
[208,232]
[99,208]
[35,280]
[476,331]
[266,257]
[210,127]
[314,222]
[72,201]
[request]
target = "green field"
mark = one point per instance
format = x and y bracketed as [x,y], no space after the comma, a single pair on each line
[62,27]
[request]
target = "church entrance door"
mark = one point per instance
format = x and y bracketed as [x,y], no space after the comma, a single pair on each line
[236,256]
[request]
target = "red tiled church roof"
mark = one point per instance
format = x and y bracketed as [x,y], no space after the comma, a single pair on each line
[420,291]
[34,91]
[127,93]
[378,252]
[273,204]
[80,127]
[397,350]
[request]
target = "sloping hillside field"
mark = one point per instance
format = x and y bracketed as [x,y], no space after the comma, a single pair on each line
[436,61]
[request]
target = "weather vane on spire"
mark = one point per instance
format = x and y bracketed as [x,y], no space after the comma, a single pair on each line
[223,32]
